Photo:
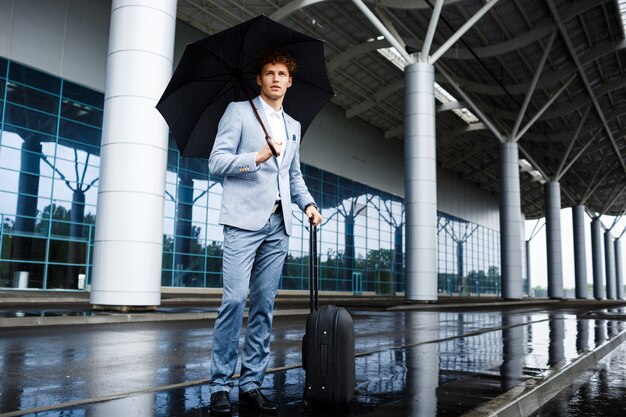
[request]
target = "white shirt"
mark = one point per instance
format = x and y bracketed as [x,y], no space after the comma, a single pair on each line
[276,129]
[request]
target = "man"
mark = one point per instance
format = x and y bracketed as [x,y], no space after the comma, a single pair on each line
[256,214]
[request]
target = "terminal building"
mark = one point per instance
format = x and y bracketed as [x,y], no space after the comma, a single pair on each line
[452,123]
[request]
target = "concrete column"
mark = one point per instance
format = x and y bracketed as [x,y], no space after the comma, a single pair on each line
[528,281]
[580,251]
[510,222]
[596,259]
[420,182]
[609,264]
[619,270]
[552,196]
[129,227]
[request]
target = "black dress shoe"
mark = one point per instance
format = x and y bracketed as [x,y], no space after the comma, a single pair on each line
[220,404]
[254,399]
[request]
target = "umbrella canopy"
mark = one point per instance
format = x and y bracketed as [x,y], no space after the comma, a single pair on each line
[215,70]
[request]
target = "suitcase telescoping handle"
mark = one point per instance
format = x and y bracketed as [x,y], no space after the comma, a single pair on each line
[313,268]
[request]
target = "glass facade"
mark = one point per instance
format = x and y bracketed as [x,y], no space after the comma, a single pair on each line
[49,167]
[469,257]
[49,158]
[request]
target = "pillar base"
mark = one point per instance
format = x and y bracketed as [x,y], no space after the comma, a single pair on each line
[124,309]
[420,301]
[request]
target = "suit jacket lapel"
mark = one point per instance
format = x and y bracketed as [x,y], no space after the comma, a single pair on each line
[287,146]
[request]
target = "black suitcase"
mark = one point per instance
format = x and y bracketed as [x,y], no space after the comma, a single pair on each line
[327,348]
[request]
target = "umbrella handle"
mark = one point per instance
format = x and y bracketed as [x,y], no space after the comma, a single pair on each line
[268,139]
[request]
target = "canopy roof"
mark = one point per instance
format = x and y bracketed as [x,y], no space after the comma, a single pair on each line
[579,140]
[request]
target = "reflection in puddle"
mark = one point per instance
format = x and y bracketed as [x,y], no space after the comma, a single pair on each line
[91,313]
[419,364]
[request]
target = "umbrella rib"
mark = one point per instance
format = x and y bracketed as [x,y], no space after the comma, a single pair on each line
[218,94]
[217,57]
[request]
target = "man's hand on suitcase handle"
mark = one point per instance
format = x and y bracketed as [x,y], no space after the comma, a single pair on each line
[314,216]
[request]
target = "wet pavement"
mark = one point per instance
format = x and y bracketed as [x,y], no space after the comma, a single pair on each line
[601,391]
[81,312]
[409,363]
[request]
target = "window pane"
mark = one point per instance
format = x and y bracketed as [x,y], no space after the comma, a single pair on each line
[32,121]
[87,138]
[3,67]
[34,78]
[32,98]
[83,95]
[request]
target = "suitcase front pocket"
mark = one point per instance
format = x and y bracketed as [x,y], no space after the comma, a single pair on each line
[323,360]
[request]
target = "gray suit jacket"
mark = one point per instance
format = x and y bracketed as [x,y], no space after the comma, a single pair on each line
[249,190]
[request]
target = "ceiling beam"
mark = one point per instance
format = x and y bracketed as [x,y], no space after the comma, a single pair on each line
[545,107]
[432,26]
[355,52]
[462,30]
[616,195]
[473,106]
[549,78]
[408,4]
[539,31]
[382,94]
[292,7]
[533,84]
[587,84]
[593,184]
[562,170]
[385,32]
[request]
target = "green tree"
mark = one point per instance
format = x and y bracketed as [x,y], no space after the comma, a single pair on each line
[379,267]
[330,274]
[493,280]
[476,281]
[447,282]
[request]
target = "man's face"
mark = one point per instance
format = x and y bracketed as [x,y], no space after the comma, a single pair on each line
[274,81]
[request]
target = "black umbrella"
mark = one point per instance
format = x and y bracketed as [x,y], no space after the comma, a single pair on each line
[219,69]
